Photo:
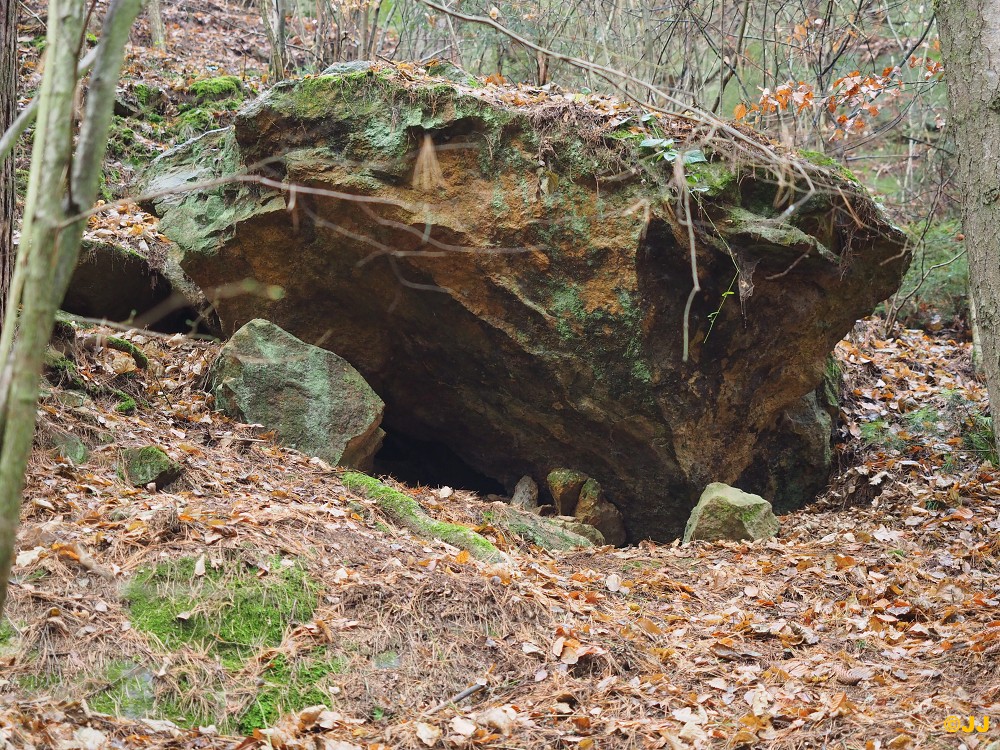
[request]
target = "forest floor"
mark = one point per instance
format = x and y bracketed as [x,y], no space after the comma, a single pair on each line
[221,611]
[258,586]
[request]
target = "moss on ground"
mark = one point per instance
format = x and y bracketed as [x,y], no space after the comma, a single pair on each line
[126,404]
[407,512]
[291,686]
[231,613]
[128,691]
[40,682]
[145,95]
[7,634]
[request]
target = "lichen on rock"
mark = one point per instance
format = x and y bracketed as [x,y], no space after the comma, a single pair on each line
[725,513]
[313,399]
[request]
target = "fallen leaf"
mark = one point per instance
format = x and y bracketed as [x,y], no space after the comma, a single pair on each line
[462,726]
[428,734]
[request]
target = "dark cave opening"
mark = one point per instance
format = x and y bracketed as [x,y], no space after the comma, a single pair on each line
[432,464]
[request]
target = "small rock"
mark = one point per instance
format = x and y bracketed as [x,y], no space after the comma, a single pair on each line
[593,509]
[525,494]
[70,399]
[347,68]
[149,465]
[579,528]
[726,513]
[70,447]
[565,486]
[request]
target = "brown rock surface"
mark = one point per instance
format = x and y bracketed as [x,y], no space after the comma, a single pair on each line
[514,283]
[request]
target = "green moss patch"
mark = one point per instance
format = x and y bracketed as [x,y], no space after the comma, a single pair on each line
[217,89]
[407,512]
[291,686]
[129,691]
[7,635]
[231,613]
[216,626]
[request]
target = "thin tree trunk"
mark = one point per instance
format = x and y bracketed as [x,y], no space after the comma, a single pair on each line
[272,13]
[970,36]
[158,32]
[62,185]
[8,108]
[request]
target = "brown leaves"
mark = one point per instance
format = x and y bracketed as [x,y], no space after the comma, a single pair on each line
[298,731]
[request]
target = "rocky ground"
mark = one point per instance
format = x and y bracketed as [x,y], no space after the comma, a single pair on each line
[224,609]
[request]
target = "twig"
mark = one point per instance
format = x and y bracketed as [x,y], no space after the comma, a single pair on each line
[471,690]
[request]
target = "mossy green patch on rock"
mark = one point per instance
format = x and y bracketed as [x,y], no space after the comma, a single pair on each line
[230,612]
[149,465]
[127,403]
[565,486]
[407,512]
[711,178]
[217,89]
[548,533]
[827,162]
[121,345]
[726,513]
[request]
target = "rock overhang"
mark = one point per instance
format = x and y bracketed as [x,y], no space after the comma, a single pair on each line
[512,279]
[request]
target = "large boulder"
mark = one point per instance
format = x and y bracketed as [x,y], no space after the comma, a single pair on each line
[514,276]
[314,400]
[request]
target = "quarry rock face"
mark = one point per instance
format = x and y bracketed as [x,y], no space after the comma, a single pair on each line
[512,272]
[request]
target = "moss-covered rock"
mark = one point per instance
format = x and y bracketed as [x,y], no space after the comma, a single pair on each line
[726,513]
[407,512]
[149,465]
[70,447]
[593,509]
[515,281]
[217,89]
[313,399]
[564,486]
[547,532]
